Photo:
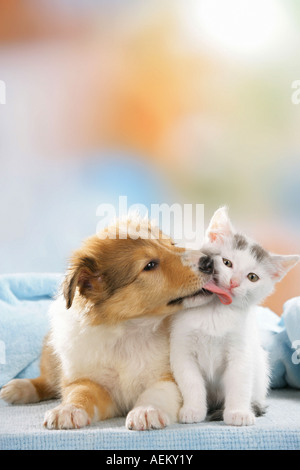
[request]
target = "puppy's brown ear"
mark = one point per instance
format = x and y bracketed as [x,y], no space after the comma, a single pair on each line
[84,274]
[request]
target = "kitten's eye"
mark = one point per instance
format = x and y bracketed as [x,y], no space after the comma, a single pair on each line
[227,263]
[253,277]
[151,265]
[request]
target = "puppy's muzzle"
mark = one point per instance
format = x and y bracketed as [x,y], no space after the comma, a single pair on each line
[206,265]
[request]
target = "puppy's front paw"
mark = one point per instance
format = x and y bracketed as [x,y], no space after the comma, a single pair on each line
[66,417]
[192,415]
[19,391]
[143,418]
[239,418]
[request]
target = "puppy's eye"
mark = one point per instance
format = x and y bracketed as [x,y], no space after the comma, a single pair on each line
[227,262]
[151,265]
[253,277]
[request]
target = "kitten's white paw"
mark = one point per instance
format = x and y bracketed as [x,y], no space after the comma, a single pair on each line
[192,415]
[66,417]
[19,391]
[143,418]
[239,418]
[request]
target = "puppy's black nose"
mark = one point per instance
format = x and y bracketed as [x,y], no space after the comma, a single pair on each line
[206,264]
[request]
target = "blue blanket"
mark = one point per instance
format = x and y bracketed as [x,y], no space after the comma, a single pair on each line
[24,302]
[281,338]
[25,299]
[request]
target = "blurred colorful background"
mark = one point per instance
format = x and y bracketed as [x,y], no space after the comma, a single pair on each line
[185,101]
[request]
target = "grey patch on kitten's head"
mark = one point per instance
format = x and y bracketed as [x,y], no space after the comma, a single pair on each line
[239,242]
[259,252]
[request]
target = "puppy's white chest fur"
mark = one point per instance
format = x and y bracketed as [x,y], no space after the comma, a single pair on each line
[113,356]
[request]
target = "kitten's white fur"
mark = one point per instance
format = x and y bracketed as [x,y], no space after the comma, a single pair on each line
[216,356]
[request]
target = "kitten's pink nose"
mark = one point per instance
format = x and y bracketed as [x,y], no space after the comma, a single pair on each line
[234,283]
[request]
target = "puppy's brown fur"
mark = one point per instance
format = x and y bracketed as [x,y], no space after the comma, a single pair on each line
[107,291]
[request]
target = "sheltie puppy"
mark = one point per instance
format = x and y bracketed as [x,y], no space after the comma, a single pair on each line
[107,352]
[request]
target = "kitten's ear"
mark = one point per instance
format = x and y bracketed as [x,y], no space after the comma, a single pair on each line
[282,264]
[219,226]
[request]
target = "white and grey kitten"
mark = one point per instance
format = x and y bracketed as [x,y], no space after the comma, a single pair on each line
[216,356]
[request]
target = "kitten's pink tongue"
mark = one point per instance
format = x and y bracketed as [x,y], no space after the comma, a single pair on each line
[223,294]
